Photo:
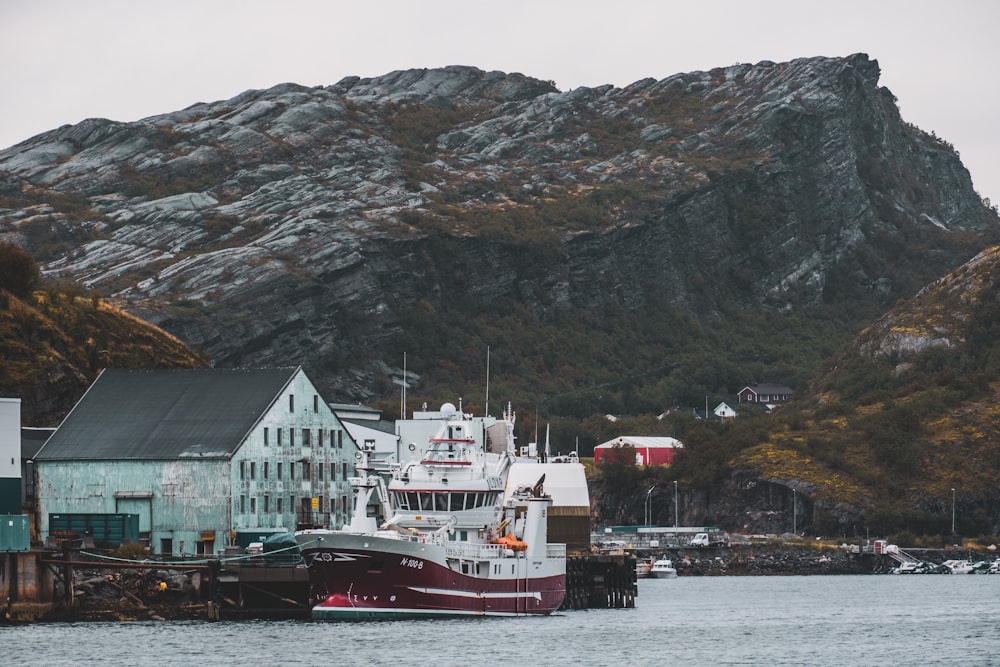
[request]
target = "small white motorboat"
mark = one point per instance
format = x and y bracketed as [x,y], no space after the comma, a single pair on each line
[663,568]
[959,566]
[642,568]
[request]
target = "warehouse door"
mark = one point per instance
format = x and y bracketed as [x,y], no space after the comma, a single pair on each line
[141,506]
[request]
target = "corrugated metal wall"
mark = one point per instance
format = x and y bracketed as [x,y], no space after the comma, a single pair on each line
[175,500]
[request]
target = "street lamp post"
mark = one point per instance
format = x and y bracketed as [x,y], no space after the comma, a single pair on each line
[649,506]
[675,511]
[953,511]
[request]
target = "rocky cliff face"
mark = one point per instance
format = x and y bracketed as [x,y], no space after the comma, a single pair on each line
[942,314]
[303,225]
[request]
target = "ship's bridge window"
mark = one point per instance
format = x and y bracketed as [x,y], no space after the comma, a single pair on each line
[444,502]
[482,500]
[430,501]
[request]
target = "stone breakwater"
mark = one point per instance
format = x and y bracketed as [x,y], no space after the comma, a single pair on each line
[766,560]
[761,561]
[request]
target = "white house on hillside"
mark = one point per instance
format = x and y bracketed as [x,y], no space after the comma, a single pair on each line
[724,412]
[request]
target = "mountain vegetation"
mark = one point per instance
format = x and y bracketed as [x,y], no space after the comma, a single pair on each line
[896,435]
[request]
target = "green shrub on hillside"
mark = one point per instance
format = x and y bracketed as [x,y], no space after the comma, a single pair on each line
[18,271]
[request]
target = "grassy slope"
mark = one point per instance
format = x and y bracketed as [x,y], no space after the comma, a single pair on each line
[54,345]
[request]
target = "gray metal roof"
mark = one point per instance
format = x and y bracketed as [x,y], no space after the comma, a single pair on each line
[644,441]
[354,407]
[32,440]
[768,389]
[166,414]
[382,425]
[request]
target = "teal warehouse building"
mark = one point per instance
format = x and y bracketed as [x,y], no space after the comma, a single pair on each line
[200,456]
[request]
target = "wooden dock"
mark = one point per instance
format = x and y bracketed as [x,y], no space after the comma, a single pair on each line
[605,581]
[45,585]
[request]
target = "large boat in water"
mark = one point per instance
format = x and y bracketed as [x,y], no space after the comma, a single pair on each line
[453,543]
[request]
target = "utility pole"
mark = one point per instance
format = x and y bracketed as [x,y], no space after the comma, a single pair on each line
[794,513]
[675,510]
[649,507]
[953,511]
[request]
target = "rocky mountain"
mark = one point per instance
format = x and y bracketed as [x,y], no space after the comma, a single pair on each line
[436,212]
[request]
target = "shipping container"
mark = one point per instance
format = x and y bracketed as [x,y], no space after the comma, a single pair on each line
[15,533]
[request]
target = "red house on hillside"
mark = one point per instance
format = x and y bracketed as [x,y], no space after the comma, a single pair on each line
[768,394]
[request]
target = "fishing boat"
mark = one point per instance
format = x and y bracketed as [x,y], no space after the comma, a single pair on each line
[663,568]
[642,568]
[452,544]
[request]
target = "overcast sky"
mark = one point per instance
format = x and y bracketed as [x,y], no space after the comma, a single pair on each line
[67,60]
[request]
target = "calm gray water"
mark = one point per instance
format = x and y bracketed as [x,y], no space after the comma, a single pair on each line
[819,620]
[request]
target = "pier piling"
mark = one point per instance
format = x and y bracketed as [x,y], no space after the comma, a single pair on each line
[600,582]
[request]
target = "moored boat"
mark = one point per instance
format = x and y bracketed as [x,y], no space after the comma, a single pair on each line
[451,544]
[959,566]
[642,568]
[663,568]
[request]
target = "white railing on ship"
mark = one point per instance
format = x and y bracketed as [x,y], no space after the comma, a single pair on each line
[555,551]
[474,551]
[484,551]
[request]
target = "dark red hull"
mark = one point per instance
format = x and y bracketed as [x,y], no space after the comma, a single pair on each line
[363,583]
